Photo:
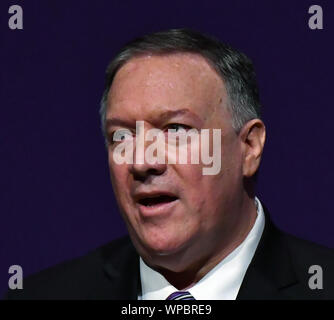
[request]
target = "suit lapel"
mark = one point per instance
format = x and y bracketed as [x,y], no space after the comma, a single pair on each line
[270,274]
[122,270]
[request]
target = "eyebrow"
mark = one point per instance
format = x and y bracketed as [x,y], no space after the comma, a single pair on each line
[174,113]
[118,122]
[164,116]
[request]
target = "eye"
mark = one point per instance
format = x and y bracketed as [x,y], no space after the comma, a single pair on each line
[121,135]
[177,126]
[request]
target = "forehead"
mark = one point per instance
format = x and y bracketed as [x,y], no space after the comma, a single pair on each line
[156,83]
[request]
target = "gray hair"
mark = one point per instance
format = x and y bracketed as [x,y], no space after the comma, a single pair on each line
[235,68]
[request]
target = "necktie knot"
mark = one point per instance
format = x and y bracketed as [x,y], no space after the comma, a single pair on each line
[180,295]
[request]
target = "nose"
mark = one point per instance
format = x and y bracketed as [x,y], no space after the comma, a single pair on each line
[143,171]
[144,165]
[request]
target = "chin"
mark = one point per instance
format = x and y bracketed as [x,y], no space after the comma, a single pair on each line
[163,247]
[162,240]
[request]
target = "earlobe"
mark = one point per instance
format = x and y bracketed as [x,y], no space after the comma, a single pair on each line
[253,137]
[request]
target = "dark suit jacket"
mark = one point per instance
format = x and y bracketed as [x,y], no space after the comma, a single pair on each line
[278,270]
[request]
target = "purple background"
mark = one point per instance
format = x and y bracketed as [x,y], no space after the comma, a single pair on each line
[56,201]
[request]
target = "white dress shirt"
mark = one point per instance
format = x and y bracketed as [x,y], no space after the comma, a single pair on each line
[221,283]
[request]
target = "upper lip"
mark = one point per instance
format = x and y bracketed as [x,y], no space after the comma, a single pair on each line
[153,194]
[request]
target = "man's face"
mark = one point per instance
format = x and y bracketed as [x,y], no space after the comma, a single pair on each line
[191,212]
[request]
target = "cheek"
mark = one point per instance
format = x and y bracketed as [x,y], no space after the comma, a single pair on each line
[118,176]
[202,193]
[194,186]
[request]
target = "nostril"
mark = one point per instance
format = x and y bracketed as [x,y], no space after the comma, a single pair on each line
[142,175]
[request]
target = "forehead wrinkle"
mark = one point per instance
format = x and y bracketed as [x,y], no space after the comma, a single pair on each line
[155,68]
[194,82]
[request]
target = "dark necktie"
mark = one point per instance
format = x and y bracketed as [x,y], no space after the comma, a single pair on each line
[180,295]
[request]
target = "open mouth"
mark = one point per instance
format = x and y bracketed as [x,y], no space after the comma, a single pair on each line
[156,200]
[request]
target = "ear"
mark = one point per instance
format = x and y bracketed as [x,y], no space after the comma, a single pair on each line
[253,136]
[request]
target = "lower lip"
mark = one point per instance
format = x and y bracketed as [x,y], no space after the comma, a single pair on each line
[158,209]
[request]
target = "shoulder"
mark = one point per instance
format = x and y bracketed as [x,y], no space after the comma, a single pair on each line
[305,254]
[76,278]
[286,267]
[313,265]
[291,257]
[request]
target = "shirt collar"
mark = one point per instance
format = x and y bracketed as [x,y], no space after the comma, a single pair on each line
[221,283]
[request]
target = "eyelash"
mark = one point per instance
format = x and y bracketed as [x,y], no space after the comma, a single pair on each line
[186,127]
[111,138]
[169,126]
